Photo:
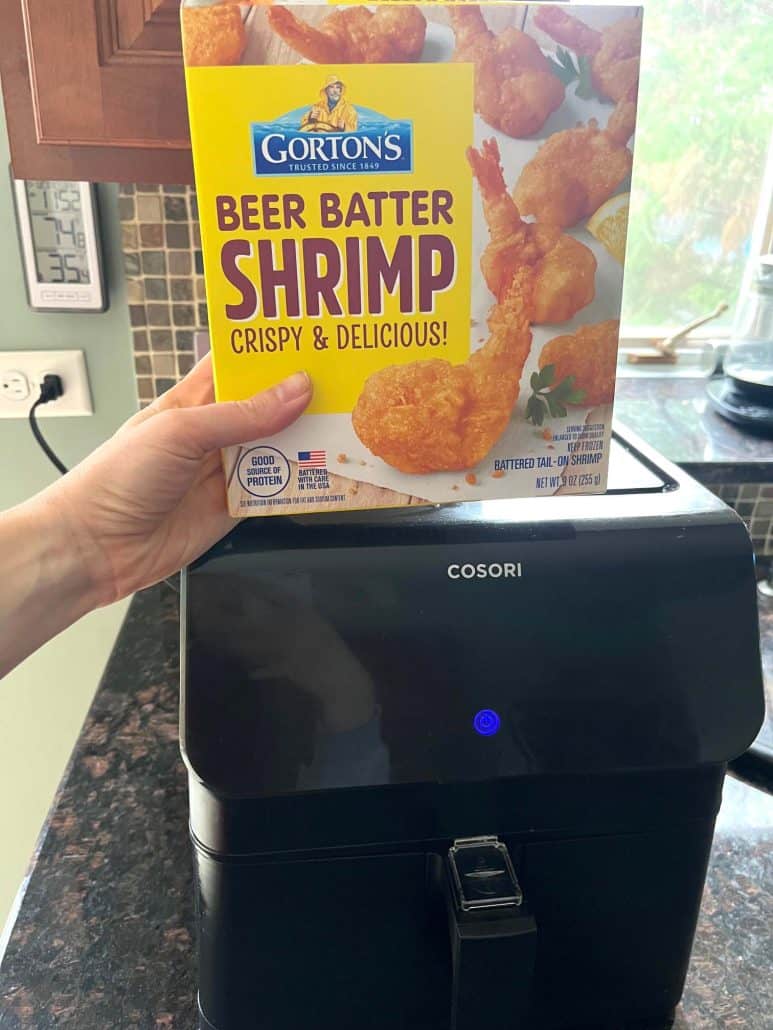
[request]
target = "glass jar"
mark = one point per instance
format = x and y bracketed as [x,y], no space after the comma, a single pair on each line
[749,359]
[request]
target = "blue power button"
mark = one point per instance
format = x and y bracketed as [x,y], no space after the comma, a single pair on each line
[486,722]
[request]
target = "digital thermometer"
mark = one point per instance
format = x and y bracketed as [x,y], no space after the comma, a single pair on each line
[60,246]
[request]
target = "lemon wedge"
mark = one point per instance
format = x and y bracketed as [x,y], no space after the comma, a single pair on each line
[610,223]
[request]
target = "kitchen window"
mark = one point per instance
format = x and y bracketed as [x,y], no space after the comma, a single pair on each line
[701,194]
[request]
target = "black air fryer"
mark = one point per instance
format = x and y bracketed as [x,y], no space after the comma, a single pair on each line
[458,768]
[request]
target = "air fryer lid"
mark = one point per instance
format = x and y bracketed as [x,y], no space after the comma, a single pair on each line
[319,658]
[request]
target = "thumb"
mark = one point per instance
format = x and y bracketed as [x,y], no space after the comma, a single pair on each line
[194,432]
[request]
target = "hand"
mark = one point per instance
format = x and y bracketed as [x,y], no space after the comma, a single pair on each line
[152,498]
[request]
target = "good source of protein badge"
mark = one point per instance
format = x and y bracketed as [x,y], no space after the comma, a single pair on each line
[396,198]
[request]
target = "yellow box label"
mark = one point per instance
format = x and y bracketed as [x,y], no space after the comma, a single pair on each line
[336,236]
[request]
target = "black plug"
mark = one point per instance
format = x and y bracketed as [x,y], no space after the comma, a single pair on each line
[51,388]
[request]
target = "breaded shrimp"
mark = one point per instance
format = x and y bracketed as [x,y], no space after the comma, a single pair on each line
[576,170]
[568,30]
[622,122]
[432,416]
[212,35]
[615,68]
[560,271]
[515,91]
[614,52]
[590,355]
[354,35]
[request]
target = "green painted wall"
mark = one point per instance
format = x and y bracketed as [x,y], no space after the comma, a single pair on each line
[44,701]
[105,339]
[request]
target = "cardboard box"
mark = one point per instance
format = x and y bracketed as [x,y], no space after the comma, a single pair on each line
[425,208]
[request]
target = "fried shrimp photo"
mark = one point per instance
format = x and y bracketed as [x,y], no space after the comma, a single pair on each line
[354,35]
[614,51]
[576,170]
[213,35]
[559,272]
[515,91]
[590,355]
[432,416]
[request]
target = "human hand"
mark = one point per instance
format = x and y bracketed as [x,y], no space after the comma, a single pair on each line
[152,498]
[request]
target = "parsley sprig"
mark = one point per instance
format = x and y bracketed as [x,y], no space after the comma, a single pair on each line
[564,68]
[544,401]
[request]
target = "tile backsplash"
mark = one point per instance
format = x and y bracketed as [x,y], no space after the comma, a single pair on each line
[754,503]
[164,282]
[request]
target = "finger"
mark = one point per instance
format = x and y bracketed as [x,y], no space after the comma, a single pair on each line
[193,432]
[195,388]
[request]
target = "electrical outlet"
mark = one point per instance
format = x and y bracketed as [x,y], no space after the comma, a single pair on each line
[21,375]
[14,385]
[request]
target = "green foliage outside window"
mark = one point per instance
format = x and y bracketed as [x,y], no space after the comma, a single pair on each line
[704,129]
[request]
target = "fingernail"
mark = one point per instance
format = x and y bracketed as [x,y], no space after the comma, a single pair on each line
[293,387]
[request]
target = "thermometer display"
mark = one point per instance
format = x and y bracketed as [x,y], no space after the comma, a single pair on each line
[57,228]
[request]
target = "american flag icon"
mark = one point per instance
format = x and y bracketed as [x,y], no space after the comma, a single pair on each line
[312,459]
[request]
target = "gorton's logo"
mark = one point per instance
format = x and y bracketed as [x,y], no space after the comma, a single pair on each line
[332,136]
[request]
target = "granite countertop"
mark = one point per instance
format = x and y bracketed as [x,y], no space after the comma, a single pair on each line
[674,416]
[104,933]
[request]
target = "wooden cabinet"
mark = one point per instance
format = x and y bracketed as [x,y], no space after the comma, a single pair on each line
[94,89]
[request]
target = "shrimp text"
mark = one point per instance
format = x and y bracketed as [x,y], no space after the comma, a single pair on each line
[317,274]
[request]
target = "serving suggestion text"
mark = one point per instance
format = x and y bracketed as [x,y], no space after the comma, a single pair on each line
[342,275]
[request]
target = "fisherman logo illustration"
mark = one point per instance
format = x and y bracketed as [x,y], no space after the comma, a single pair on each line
[332,136]
[333,113]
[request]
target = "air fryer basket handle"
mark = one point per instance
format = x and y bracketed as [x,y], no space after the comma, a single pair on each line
[493,941]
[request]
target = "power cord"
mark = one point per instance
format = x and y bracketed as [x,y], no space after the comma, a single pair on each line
[51,389]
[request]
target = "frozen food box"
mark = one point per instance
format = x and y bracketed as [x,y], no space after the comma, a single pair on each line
[425,207]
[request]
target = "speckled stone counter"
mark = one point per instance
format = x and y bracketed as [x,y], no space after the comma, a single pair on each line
[103,937]
[674,416]
[763,746]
